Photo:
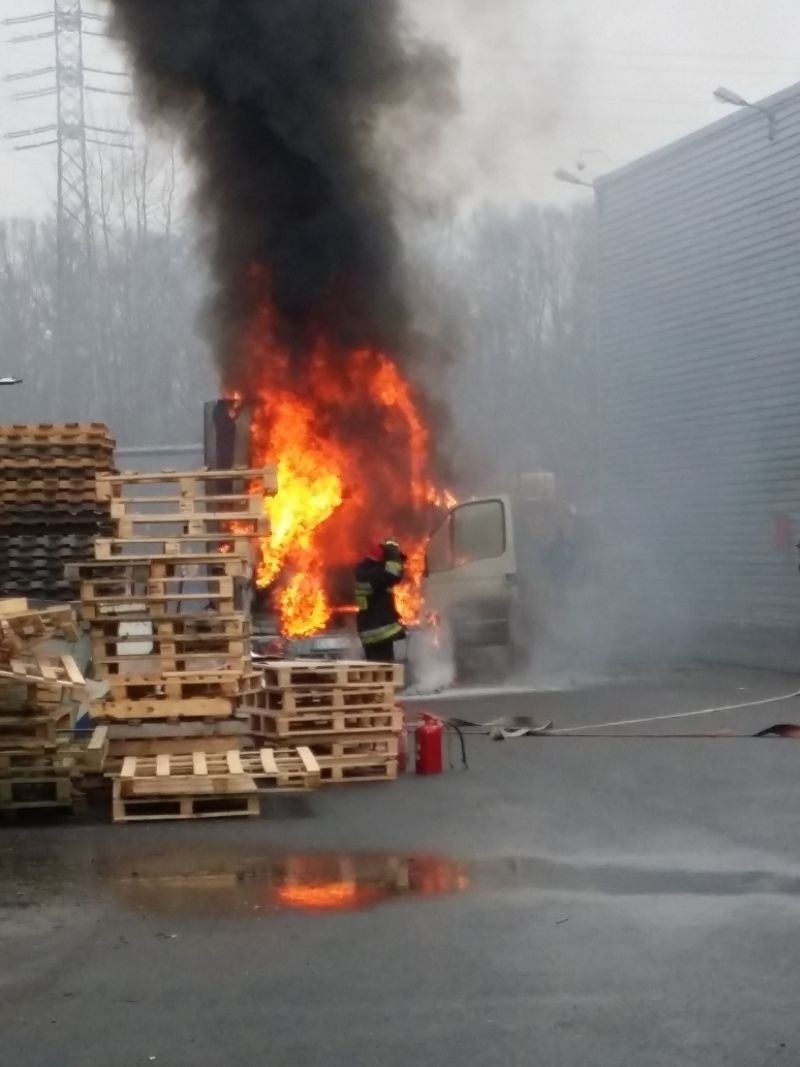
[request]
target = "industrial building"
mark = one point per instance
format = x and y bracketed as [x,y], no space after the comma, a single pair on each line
[699,367]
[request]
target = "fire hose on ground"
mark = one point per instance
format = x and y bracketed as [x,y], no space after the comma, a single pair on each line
[430,731]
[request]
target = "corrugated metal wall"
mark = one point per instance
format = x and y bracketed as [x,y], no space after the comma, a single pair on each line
[699,360]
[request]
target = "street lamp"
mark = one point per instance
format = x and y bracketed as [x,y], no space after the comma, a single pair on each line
[728,96]
[580,162]
[8,380]
[562,175]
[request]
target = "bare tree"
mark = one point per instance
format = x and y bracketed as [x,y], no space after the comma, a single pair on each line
[135,358]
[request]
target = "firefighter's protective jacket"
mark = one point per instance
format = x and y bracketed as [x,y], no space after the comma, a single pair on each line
[377,618]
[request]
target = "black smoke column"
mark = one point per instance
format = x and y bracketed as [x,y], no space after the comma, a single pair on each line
[278,103]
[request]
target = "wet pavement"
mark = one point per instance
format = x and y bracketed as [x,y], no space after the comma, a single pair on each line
[610,901]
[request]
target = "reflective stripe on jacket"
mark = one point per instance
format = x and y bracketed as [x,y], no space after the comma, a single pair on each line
[377,618]
[393,631]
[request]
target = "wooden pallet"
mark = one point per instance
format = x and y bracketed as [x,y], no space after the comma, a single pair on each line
[284,674]
[155,607]
[185,773]
[191,785]
[101,590]
[155,736]
[29,624]
[282,770]
[145,568]
[176,627]
[109,593]
[149,544]
[13,606]
[346,772]
[150,508]
[63,482]
[60,673]
[47,517]
[53,543]
[93,754]
[36,791]
[49,483]
[163,707]
[179,686]
[80,755]
[119,748]
[368,749]
[16,730]
[191,650]
[21,493]
[212,524]
[187,483]
[219,772]
[299,699]
[51,430]
[272,725]
[155,808]
[16,698]
[16,466]
[61,512]
[45,761]
[346,759]
[54,455]
[56,458]
[169,660]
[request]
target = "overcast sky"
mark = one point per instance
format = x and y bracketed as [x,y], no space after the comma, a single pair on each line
[545,83]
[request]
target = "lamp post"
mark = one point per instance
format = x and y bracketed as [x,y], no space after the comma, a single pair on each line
[728,96]
[567,176]
[8,380]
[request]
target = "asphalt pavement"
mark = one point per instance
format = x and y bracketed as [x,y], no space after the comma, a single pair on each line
[611,899]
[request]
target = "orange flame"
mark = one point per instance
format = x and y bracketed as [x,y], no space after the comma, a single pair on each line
[352,455]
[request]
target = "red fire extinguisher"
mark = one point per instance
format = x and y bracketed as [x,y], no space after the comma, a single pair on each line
[428,737]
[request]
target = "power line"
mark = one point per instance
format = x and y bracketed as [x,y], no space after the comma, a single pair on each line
[19,20]
[37,73]
[111,73]
[72,135]
[748,56]
[107,92]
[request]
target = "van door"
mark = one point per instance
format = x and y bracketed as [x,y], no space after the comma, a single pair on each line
[471,571]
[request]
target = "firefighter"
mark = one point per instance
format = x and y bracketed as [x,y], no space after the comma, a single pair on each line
[378,622]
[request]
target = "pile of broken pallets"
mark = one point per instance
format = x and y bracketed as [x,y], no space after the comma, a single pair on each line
[49,515]
[165,604]
[345,712]
[40,693]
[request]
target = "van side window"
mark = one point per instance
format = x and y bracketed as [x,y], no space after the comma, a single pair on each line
[440,556]
[479,532]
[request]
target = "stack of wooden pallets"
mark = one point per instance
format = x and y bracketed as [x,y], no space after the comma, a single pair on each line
[165,599]
[165,604]
[49,515]
[344,712]
[40,692]
[199,784]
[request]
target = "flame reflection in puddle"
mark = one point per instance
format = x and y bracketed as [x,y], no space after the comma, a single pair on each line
[219,884]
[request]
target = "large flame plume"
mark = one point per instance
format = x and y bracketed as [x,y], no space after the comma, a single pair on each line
[352,454]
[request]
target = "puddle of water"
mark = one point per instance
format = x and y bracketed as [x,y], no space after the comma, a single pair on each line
[230,881]
[222,884]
